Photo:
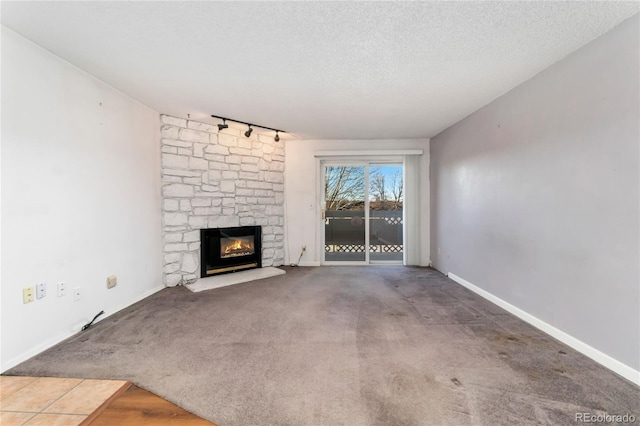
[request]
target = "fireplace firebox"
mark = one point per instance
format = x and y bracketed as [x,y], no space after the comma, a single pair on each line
[225,250]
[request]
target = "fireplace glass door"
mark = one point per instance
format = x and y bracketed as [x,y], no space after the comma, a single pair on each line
[226,250]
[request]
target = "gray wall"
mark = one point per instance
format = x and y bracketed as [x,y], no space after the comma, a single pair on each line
[535,197]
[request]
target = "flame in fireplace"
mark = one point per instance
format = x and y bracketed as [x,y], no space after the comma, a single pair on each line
[237,247]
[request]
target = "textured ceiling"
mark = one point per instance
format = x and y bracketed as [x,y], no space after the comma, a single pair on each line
[326,70]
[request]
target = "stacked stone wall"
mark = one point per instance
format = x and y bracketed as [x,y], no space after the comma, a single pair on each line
[214,179]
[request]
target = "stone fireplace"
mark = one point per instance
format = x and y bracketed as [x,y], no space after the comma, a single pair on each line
[213,179]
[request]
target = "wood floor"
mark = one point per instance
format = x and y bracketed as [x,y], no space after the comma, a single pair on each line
[137,406]
[53,401]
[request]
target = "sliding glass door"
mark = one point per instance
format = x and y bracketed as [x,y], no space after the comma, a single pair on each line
[362,212]
[345,230]
[385,213]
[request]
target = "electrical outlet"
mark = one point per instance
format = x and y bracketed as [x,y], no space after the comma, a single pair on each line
[41,290]
[112,281]
[27,294]
[62,289]
[77,294]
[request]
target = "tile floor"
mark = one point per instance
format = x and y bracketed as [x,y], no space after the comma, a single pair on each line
[51,401]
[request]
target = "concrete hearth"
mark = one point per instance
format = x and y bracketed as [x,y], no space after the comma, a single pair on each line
[218,281]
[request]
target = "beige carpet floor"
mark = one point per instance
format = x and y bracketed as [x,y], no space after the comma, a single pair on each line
[384,345]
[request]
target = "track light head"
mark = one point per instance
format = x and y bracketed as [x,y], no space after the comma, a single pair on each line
[247,134]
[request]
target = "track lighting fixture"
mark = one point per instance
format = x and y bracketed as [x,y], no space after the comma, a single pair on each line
[224,125]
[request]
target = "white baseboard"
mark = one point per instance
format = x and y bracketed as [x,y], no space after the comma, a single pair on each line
[59,338]
[600,357]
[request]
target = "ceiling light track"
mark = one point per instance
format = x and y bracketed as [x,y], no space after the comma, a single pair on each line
[224,125]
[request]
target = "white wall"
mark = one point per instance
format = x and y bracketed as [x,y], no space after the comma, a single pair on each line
[535,199]
[80,197]
[302,214]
